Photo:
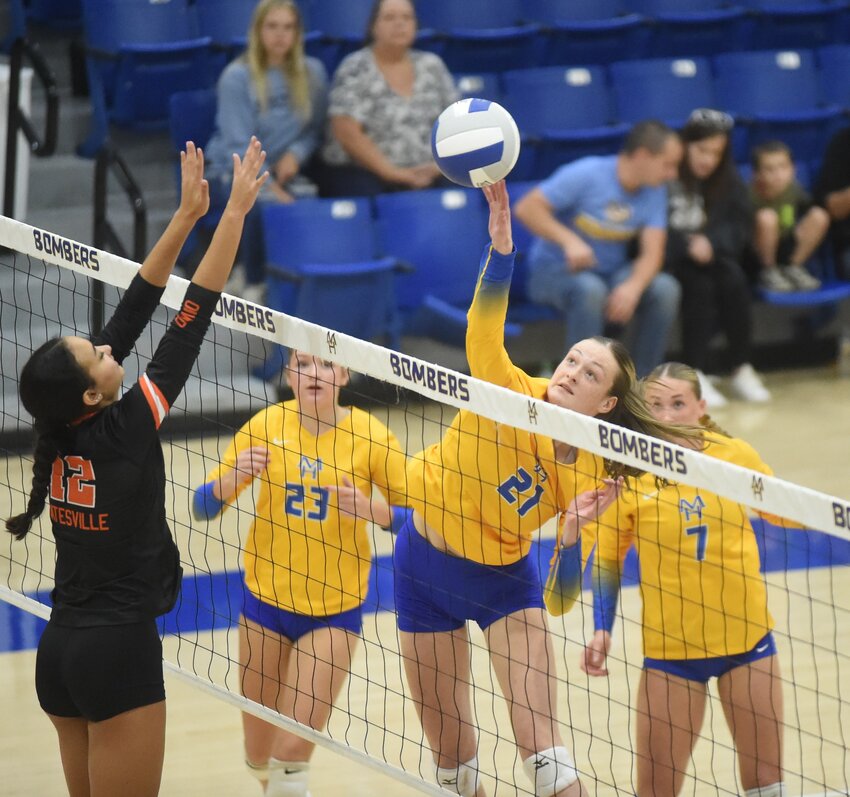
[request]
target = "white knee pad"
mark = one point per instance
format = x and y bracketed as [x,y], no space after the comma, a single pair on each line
[288,778]
[259,771]
[462,780]
[550,771]
[774,790]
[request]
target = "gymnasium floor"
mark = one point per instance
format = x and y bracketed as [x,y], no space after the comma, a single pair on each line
[803,434]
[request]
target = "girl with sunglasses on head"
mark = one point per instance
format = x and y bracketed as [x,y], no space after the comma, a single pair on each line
[709,231]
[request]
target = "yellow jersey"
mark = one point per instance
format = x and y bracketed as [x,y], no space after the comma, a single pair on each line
[487,487]
[702,589]
[302,554]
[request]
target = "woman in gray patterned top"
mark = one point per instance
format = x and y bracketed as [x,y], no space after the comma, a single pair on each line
[384,101]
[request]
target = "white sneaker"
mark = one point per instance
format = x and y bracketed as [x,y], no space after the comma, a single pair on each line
[800,279]
[714,399]
[773,279]
[746,384]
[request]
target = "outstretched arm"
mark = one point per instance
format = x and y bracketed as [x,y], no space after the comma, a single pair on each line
[175,356]
[215,267]
[142,296]
[499,226]
[194,203]
[485,332]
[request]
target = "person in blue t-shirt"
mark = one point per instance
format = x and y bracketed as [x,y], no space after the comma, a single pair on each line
[601,227]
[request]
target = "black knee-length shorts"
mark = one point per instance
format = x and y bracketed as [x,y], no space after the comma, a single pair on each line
[99,672]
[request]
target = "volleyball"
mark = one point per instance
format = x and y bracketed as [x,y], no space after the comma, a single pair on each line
[475,142]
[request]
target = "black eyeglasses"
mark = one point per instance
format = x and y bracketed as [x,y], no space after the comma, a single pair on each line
[709,117]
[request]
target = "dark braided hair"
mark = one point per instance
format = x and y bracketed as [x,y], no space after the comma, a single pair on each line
[51,389]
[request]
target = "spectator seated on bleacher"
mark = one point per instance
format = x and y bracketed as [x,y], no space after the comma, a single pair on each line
[710,227]
[601,226]
[384,101]
[832,191]
[789,226]
[277,94]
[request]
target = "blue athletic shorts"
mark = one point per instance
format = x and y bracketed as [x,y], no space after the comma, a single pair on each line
[437,592]
[100,671]
[703,670]
[292,625]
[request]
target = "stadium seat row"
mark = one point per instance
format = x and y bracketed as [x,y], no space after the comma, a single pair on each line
[482,35]
[139,52]
[405,262]
[799,96]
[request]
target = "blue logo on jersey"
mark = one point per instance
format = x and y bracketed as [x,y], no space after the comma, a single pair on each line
[307,465]
[688,509]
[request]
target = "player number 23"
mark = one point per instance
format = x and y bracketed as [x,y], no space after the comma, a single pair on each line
[513,489]
[316,501]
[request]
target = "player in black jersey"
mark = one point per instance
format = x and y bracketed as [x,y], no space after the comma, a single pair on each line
[98,457]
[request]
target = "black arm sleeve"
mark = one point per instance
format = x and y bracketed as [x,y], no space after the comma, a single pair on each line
[730,223]
[177,351]
[834,172]
[130,317]
[676,249]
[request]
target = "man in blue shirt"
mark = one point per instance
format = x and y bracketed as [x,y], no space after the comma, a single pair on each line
[601,227]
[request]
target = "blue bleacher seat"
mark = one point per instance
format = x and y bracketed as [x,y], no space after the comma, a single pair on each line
[563,113]
[485,85]
[834,72]
[337,29]
[323,268]
[226,22]
[777,24]
[661,88]
[441,234]
[138,54]
[60,14]
[692,27]
[192,118]
[17,26]
[480,35]
[831,292]
[587,31]
[776,94]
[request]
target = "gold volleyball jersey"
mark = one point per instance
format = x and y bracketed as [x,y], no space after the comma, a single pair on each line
[302,554]
[487,487]
[703,594]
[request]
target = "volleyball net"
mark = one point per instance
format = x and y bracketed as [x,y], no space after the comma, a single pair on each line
[45,287]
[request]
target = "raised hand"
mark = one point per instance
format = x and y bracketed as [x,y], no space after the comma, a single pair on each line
[500,217]
[246,178]
[194,189]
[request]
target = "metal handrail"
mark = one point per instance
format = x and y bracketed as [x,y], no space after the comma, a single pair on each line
[109,161]
[18,121]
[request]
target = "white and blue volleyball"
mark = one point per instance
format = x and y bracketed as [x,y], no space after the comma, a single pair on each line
[475,142]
